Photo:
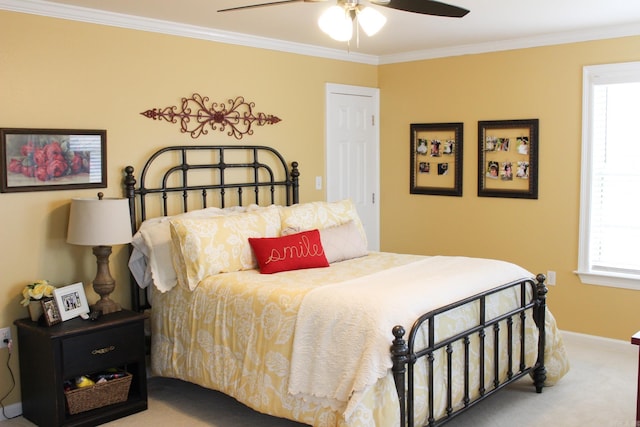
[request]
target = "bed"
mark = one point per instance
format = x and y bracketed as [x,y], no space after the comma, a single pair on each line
[280,305]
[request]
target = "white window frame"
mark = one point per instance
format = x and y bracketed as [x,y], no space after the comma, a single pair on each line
[592,76]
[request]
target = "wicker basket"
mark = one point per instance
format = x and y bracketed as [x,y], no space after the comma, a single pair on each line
[99,395]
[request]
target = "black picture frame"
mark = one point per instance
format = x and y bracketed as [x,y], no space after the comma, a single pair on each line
[50,311]
[508,158]
[436,158]
[52,159]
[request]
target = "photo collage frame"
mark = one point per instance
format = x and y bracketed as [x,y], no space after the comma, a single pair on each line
[507,158]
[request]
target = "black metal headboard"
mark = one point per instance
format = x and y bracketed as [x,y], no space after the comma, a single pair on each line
[214,175]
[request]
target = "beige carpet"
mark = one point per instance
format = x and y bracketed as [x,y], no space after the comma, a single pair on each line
[600,391]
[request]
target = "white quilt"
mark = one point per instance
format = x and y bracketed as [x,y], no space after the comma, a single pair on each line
[341,328]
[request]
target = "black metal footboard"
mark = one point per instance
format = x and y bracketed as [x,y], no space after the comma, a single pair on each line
[440,354]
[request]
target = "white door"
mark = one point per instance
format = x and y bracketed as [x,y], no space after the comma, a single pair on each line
[353,152]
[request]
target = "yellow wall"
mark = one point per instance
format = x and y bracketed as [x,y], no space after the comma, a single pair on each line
[63,74]
[540,235]
[68,75]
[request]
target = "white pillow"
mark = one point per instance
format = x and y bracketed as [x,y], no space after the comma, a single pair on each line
[151,259]
[343,242]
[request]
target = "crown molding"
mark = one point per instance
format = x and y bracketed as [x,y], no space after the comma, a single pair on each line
[94,16]
[591,34]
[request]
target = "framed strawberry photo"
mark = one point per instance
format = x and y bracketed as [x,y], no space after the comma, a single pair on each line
[52,159]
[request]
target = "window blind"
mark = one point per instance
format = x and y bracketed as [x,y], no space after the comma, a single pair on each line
[614,233]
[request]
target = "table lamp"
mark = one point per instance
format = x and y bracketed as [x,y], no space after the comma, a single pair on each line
[100,223]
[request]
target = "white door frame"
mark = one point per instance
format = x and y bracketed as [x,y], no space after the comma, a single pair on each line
[374,94]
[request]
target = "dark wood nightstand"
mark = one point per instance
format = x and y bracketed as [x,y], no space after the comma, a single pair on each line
[51,355]
[635,339]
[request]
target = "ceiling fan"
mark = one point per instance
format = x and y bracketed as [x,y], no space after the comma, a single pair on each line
[338,20]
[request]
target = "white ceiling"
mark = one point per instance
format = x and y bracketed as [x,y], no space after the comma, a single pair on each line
[491,24]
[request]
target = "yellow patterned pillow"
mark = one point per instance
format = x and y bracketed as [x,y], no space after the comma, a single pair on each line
[206,246]
[312,215]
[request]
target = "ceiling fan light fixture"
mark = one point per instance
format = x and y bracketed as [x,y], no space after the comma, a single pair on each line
[337,23]
[370,20]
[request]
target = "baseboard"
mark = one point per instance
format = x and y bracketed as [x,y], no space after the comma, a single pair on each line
[11,411]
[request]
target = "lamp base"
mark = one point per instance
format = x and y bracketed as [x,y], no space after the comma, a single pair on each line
[106,305]
[104,284]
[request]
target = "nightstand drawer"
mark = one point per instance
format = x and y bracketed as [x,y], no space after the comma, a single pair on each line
[109,348]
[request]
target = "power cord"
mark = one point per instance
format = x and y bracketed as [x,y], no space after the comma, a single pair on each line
[9,344]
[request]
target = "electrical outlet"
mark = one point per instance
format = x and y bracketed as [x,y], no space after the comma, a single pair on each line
[551,278]
[5,334]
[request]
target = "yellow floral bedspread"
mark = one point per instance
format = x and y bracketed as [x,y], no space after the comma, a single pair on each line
[234,333]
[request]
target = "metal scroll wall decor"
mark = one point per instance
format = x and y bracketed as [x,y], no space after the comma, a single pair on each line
[197,116]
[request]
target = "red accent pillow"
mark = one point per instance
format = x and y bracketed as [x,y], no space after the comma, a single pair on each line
[292,252]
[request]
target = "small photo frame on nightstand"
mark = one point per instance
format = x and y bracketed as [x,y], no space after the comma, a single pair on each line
[71,301]
[50,310]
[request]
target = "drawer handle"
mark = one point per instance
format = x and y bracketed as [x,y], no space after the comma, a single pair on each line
[103,350]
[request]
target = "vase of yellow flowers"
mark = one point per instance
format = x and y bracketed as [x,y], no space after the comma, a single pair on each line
[32,295]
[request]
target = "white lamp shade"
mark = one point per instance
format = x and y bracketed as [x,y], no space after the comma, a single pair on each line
[371,20]
[95,222]
[337,23]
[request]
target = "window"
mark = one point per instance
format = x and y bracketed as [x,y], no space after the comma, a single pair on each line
[610,182]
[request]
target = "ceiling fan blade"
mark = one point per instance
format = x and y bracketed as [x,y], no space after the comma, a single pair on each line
[426,7]
[272,3]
